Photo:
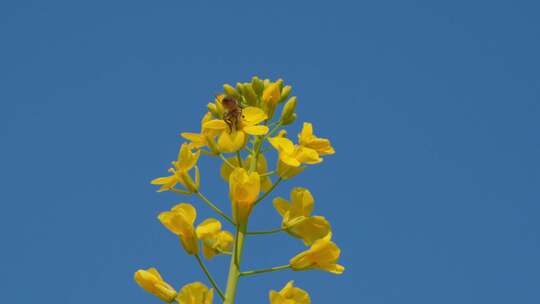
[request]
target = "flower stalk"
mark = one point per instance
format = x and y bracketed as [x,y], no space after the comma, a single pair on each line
[242,121]
[277,230]
[214,207]
[258,271]
[234,266]
[209,276]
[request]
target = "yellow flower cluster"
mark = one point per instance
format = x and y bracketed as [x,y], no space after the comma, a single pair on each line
[239,127]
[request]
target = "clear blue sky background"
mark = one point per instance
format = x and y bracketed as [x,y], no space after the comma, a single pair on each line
[433,107]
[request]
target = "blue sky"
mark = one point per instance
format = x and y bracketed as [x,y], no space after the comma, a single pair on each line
[432,106]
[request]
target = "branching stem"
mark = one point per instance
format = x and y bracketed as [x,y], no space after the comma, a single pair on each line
[210,278]
[215,208]
[239,159]
[252,272]
[274,185]
[226,161]
[277,230]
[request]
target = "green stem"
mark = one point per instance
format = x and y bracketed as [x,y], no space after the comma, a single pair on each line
[252,272]
[209,276]
[239,158]
[274,185]
[215,208]
[272,131]
[180,191]
[226,161]
[255,155]
[267,173]
[234,268]
[277,230]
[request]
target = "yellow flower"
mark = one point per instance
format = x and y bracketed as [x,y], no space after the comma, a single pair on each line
[287,114]
[323,255]
[289,295]
[272,94]
[297,219]
[270,98]
[180,222]
[205,137]
[195,293]
[179,174]
[215,241]
[262,168]
[292,156]
[244,189]
[216,107]
[234,140]
[307,139]
[151,281]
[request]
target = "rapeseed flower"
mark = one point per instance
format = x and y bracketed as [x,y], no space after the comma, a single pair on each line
[151,281]
[291,157]
[288,116]
[323,255]
[307,139]
[290,295]
[239,120]
[214,240]
[235,139]
[244,188]
[297,218]
[262,169]
[206,138]
[179,220]
[195,293]
[180,172]
[270,98]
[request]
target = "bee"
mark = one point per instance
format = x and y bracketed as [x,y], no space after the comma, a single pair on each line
[233,112]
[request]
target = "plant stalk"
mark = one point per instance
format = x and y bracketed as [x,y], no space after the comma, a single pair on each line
[234,268]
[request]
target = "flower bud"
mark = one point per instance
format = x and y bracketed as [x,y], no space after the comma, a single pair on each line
[230,91]
[244,190]
[186,180]
[240,88]
[151,281]
[286,171]
[285,93]
[279,82]
[211,143]
[271,94]
[195,293]
[287,114]
[179,220]
[212,107]
[290,295]
[250,95]
[270,98]
[258,85]
[323,255]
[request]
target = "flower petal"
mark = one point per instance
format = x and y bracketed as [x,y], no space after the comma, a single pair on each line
[208,228]
[311,229]
[301,202]
[333,268]
[187,211]
[282,205]
[232,142]
[282,144]
[252,115]
[256,130]
[307,155]
[215,124]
